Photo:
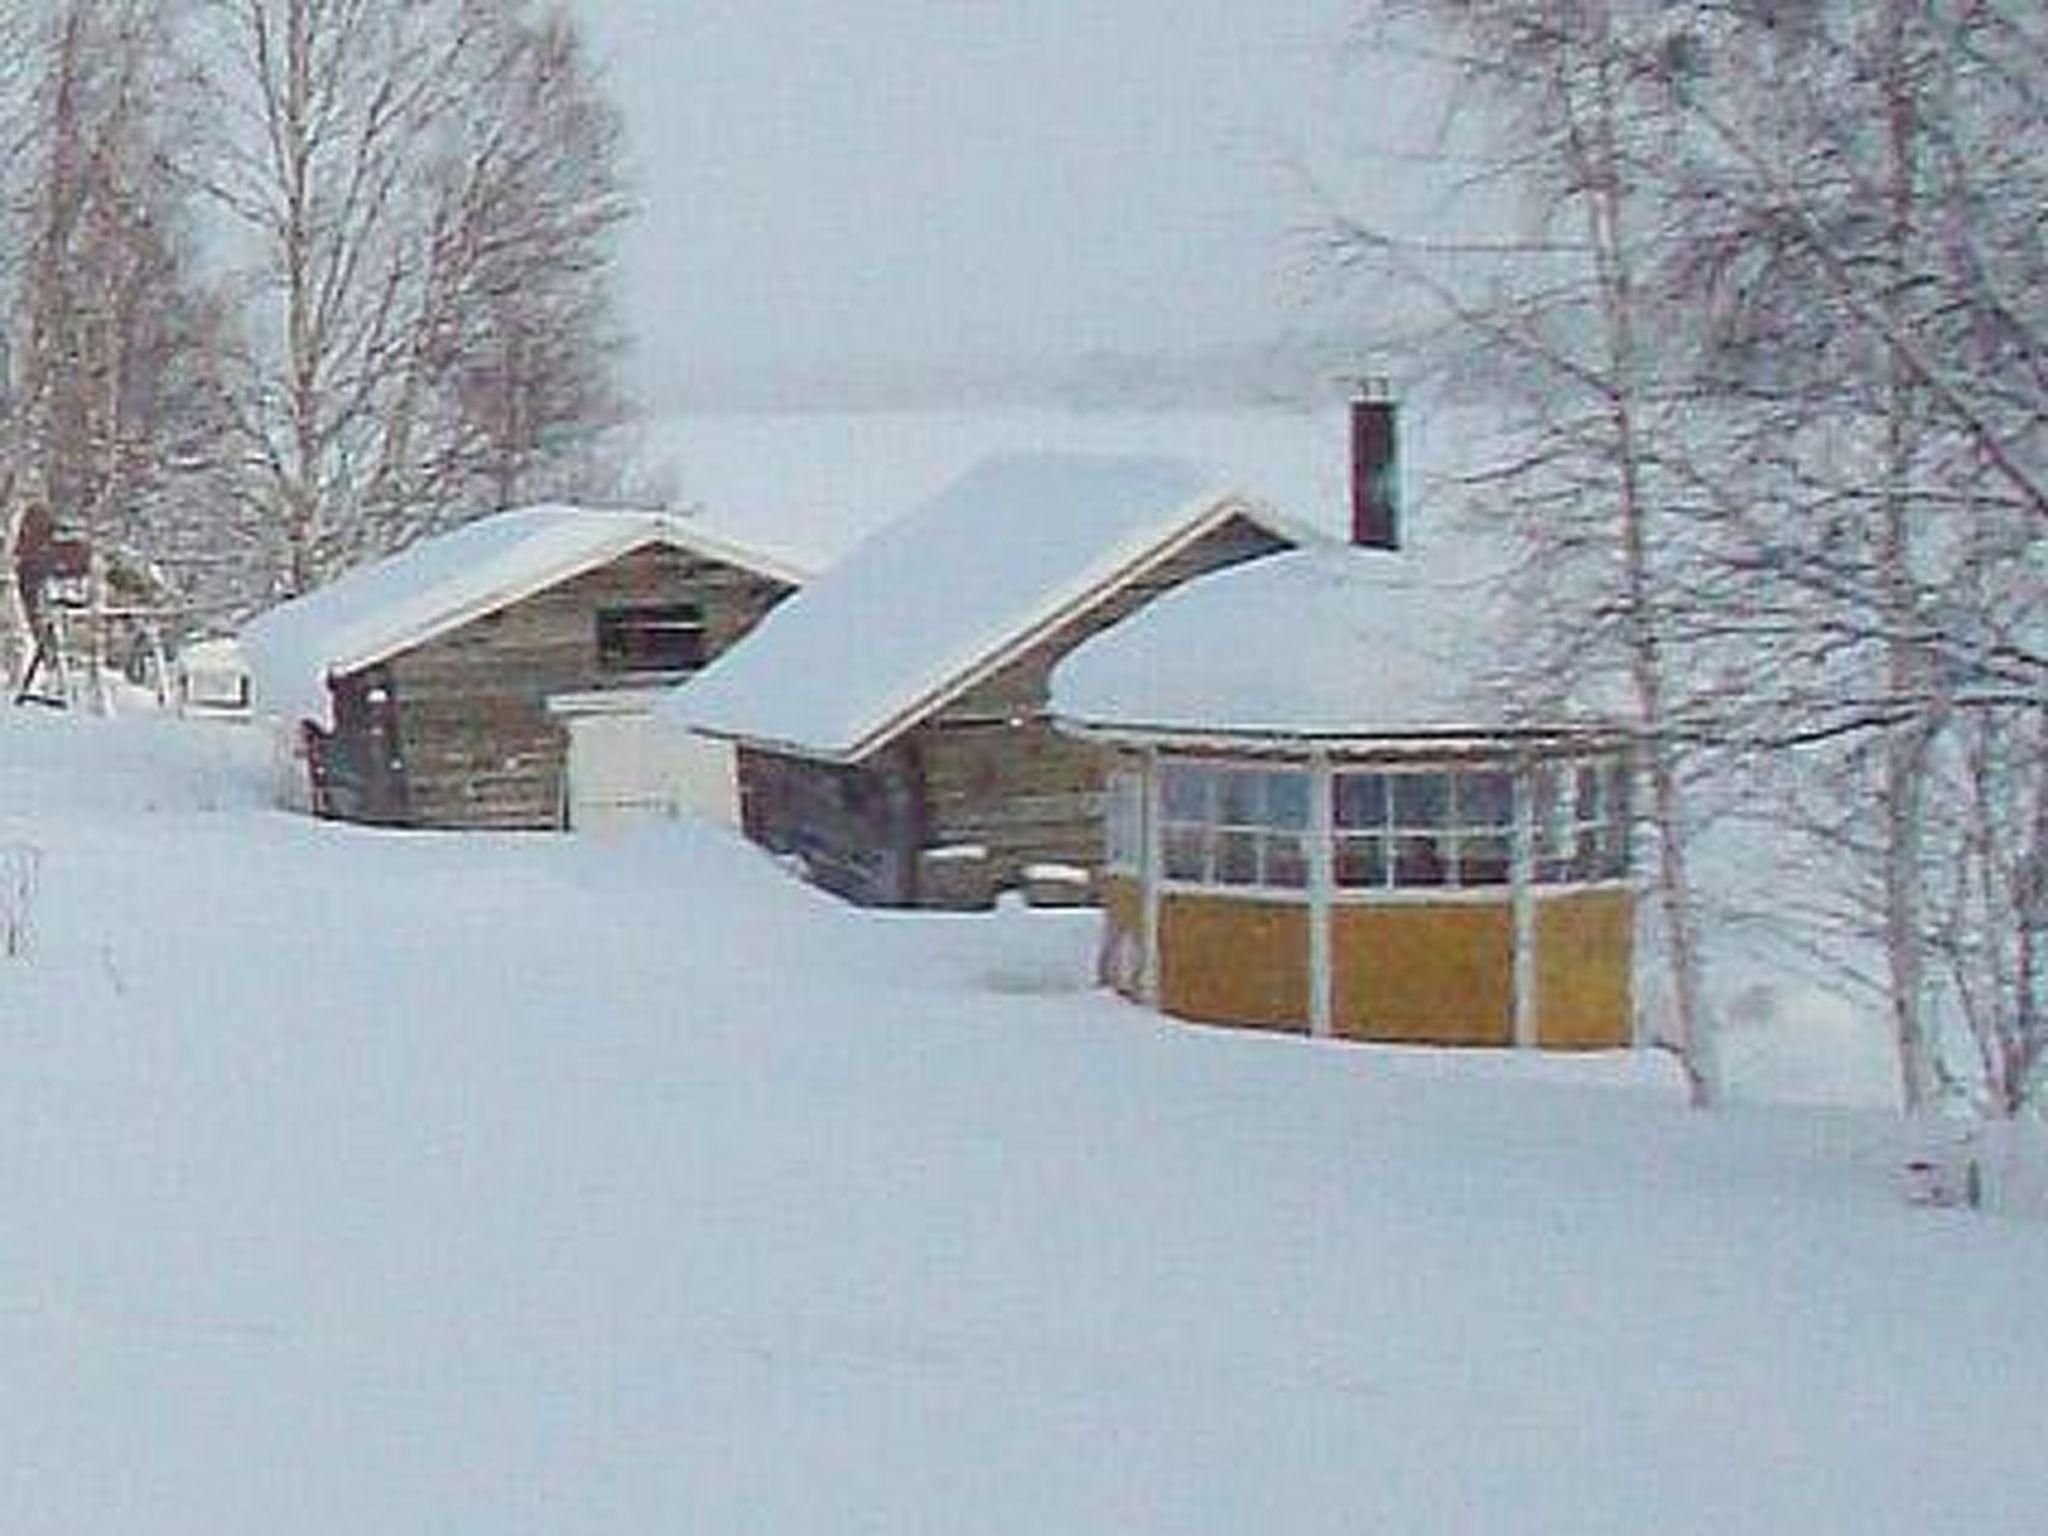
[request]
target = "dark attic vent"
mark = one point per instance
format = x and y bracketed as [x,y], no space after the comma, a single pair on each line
[1375,469]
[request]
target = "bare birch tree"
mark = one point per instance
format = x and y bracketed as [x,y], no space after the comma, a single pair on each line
[423,191]
[109,390]
[1878,168]
[1565,321]
[1834,261]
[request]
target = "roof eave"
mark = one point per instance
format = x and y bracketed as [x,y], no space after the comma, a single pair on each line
[1306,739]
[781,747]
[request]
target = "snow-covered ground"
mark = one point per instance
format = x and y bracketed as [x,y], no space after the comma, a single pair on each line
[375,1184]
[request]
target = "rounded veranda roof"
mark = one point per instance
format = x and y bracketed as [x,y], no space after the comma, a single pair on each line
[1333,644]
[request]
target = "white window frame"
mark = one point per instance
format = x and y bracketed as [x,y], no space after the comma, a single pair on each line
[1123,822]
[1564,827]
[1208,828]
[1453,834]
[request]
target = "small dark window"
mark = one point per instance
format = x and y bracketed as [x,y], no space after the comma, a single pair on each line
[667,638]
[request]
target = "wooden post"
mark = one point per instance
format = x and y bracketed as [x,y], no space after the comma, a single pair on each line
[1321,892]
[1527,1023]
[1153,865]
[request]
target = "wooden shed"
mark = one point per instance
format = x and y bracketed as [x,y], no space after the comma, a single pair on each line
[1318,821]
[890,720]
[446,686]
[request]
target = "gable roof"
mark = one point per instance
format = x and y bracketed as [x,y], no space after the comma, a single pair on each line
[439,584]
[938,600]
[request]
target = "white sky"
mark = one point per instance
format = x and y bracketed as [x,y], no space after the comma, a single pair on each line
[943,179]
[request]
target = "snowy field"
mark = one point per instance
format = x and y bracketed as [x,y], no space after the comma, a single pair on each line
[390,1184]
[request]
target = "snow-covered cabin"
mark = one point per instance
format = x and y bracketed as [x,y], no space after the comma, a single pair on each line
[1319,818]
[890,718]
[501,675]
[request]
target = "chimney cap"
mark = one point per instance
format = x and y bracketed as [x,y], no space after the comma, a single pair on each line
[1376,387]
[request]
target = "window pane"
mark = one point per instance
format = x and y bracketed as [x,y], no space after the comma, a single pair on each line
[1484,861]
[1486,799]
[1613,859]
[1237,858]
[1419,861]
[1287,798]
[1184,791]
[1361,862]
[1553,812]
[1286,861]
[1586,856]
[1123,821]
[1620,797]
[1569,859]
[1361,800]
[1185,853]
[1420,799]
[1588,808]
[658,638]
[1244,799]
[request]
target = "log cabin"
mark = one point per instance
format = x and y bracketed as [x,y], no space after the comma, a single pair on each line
[486,678]
[890,719]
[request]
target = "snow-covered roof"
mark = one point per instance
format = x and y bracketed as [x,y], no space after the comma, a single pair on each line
[1329,643]
[216,653]
[441,583]
[818,483]
[937,600]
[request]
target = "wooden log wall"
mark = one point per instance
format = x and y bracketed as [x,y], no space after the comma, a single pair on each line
[478,745]
[995,772]
[855,828]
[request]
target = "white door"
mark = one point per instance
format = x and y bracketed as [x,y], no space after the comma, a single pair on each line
[706,779]
[626,768]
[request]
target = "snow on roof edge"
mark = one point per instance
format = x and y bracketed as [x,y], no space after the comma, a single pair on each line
[1450,737]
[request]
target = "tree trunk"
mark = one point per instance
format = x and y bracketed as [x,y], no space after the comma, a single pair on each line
[1907,672]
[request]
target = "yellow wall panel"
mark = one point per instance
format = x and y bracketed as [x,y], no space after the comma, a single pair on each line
[1584,952]
[1238,962]
[1423,972]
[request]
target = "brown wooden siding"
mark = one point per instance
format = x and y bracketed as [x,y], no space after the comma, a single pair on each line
[478,747]
[358,770]
[854,829]
[1022,791]
[996,773]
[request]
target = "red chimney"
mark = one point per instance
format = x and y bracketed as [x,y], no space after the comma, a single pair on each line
[1375,469]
